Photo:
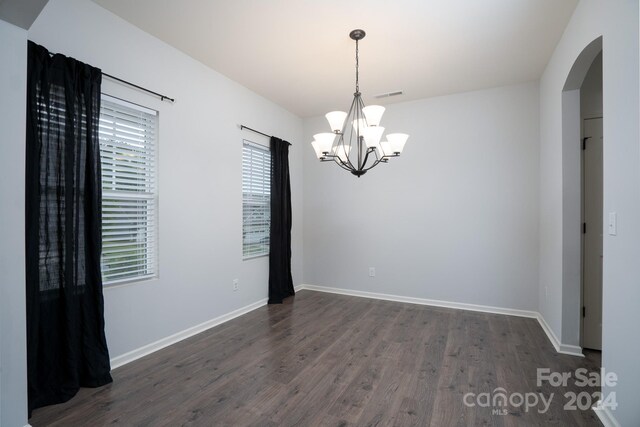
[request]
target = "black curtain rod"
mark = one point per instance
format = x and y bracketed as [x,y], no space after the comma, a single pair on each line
[159,95]
[257,131]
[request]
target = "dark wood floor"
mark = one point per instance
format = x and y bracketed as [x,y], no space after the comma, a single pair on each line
[332,360]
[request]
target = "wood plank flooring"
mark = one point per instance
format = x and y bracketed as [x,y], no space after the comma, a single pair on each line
[332,360]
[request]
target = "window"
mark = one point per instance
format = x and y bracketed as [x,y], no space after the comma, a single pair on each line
[256,199]
[129,191]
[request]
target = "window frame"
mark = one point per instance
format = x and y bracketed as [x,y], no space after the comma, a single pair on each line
[152,198]
[266,184]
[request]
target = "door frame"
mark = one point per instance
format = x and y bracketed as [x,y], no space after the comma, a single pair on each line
[582,221]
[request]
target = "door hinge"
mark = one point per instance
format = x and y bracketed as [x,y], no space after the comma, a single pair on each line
[584,228]
[584,311]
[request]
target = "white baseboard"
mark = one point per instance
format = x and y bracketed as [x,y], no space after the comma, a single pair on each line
[605,416]
[130,356]
[189,332]
[145,350]
[571,350]
[560,348]
[424,301]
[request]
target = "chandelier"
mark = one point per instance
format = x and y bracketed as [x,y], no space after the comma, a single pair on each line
[355,142]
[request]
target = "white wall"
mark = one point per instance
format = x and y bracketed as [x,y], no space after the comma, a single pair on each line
[455,218]
[591,91]
[617,23]
[200,196]
[13,362]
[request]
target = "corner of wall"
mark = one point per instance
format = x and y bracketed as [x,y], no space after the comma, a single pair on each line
[13,359]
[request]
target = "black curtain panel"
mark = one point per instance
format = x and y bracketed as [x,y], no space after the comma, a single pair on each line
[66,345]
[280,281]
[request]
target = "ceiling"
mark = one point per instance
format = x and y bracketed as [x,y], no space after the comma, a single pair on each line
[298,54]
[21,13]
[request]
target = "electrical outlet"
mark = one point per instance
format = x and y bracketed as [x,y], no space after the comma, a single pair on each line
[372,272]
[235,284]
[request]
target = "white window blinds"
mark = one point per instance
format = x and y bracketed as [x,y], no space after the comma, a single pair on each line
[256,199]
[129,192]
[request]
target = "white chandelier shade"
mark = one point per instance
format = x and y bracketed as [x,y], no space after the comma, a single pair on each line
[373,114]
[336,120]
[372,136]
[397,141]
[355,143]
[323,143]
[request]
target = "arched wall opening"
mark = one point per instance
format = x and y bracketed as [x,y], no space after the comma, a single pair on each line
[571,194]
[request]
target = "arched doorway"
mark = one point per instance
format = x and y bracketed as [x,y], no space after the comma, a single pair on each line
[574,229]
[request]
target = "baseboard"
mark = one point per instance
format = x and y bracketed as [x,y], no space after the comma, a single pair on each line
[179,336]
[145,350]
[571,350]
[424,301]
[560,348]
[605,416]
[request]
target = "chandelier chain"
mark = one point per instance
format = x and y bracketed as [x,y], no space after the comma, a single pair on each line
[357,68]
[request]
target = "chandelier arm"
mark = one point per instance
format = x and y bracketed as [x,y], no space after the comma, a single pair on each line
[374,165]
[344,128]
[378,158]
[360,142]
[347,164]
[361,103]
[346,154]
[327,158]
[342,164]
[349,114]
[366,157]
[361,119]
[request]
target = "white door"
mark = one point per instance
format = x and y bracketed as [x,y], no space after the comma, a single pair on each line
[592,235]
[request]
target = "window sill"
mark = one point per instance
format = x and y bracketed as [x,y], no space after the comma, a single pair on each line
[131,281]
[255,257]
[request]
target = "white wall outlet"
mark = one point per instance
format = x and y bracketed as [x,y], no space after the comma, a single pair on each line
[235,284]
[372,272]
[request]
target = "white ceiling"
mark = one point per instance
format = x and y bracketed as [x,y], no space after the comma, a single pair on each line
[21,12]
[298,54]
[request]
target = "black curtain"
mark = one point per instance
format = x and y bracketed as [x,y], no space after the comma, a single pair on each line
[66,345]
[280,281]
